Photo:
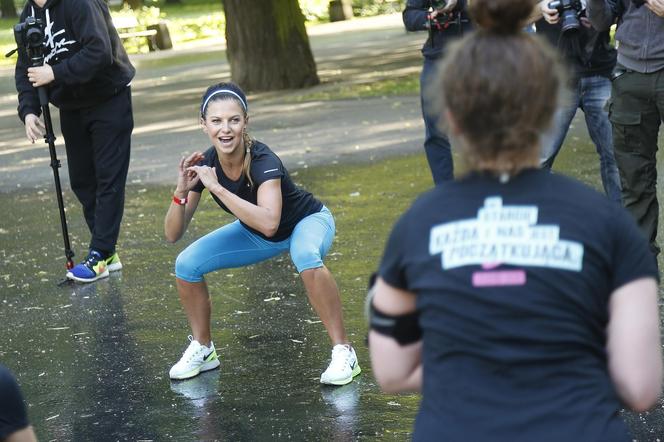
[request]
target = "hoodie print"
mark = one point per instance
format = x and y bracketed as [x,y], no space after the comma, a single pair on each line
[54,47]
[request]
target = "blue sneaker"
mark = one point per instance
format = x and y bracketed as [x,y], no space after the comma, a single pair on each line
[93,268]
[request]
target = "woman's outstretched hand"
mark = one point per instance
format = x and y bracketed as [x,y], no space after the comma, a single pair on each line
[187,178]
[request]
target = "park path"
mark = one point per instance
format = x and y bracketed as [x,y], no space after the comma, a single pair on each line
[168,85]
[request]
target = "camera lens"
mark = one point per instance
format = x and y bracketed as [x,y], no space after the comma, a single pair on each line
[570,20]
[34,37]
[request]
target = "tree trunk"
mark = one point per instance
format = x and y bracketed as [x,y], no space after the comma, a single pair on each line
[267,45]
[7,9]
[134,4]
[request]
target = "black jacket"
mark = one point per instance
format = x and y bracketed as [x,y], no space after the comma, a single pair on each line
[89,62]
[415,18]
[587,52]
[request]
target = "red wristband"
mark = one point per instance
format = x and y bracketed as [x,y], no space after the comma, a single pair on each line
[179,201]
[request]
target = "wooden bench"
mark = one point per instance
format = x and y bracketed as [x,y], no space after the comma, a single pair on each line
[128,27]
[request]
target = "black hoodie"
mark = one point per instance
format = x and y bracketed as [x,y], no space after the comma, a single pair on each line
[89,62]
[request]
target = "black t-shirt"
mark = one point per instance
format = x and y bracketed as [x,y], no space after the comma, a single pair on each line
[265,166]
[513,282]
[12,409]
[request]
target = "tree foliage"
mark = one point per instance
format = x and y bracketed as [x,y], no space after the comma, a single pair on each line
[8,9]
[134,4]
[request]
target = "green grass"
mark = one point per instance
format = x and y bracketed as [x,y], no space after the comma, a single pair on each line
[7,39]
[406,85]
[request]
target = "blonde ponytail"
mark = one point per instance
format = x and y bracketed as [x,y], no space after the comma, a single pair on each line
[246,166]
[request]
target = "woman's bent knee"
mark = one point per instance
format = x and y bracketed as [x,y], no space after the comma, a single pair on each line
[306,260]
[186,269]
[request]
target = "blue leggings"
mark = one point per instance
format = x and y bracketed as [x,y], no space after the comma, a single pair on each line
[233,245]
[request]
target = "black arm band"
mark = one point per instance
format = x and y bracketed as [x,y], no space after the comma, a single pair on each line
[405,329]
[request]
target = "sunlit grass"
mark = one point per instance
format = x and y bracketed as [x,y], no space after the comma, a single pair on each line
[394,86]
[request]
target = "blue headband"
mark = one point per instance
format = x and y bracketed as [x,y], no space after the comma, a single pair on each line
[224,91]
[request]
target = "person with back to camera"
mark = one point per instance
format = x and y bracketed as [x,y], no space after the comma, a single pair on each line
[445,21]
[636,106]
[521,314]
[248,180]
[591,59]
[14,425]
[87,73]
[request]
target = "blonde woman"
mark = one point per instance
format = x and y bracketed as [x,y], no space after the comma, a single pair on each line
[245,178]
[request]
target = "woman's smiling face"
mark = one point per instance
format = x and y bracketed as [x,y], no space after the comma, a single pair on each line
[224,122]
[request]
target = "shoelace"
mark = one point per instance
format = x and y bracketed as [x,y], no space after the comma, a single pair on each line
[91,260]
[192,351]
[340,360]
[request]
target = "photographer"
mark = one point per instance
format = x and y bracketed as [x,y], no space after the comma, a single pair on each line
[522,304]
[636,106]
[444,21]
[87,73]
[590,59]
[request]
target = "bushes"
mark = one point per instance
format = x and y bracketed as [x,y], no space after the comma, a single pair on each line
[368,8]
[316,10]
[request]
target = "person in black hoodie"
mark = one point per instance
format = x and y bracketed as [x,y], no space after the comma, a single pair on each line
[443,25]
[87,74]
[590,59]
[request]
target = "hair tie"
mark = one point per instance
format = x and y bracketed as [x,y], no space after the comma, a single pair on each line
[224,91]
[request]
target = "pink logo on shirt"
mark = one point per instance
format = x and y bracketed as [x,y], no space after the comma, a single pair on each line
[498,278]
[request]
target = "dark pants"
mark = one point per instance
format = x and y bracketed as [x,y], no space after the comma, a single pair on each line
[98,141]
[636,110]
[436,143]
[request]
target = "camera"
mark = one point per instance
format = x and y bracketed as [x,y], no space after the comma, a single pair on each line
[569,11]
[30,35]
[638,3]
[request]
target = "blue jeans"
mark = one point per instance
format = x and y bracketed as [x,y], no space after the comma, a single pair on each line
[436,143]
[233,245]
[590,95]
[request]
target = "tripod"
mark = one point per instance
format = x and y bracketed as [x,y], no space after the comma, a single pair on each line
[55,165]
[30,35]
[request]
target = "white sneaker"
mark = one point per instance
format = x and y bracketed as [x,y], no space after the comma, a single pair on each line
[343,367]
[196,359]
